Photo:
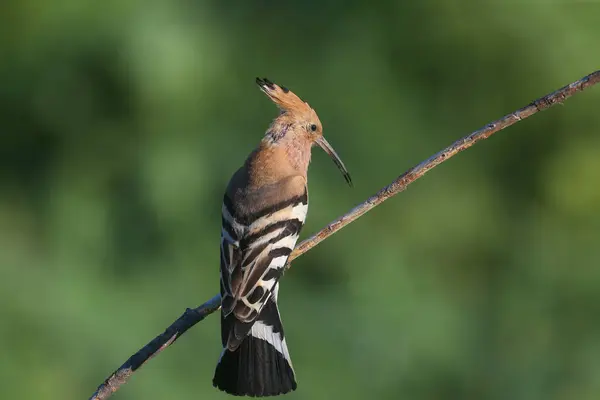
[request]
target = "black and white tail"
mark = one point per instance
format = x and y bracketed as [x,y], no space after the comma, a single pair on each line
[260,365]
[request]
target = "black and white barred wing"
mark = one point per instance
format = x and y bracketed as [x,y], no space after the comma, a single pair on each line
[254,255]
[255,359]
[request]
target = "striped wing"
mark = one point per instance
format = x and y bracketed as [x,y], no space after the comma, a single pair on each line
[254,251]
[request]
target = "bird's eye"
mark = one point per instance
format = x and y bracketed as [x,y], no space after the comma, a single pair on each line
[313,127]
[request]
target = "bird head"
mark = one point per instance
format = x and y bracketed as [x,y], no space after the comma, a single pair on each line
[297,120]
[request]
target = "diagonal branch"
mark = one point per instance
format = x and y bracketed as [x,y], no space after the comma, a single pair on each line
[192,316]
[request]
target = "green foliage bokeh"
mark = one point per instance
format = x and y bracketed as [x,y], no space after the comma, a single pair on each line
[121,122]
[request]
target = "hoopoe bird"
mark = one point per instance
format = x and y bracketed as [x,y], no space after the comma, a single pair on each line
[264,209]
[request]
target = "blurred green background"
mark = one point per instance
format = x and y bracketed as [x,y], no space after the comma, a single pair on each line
[121,122]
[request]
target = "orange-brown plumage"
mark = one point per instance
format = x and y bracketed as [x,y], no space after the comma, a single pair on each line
[278,167]
[287,144]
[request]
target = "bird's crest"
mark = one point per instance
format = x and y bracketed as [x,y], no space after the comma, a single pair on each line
[284,98]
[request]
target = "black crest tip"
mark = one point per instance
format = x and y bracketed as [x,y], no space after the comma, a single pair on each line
[265,82]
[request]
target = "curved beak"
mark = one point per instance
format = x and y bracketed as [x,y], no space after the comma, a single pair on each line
[324,144]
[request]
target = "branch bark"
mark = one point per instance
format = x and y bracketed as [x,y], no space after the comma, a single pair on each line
[192,316]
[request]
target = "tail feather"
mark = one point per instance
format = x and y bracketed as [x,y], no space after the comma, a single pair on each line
[260,365]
